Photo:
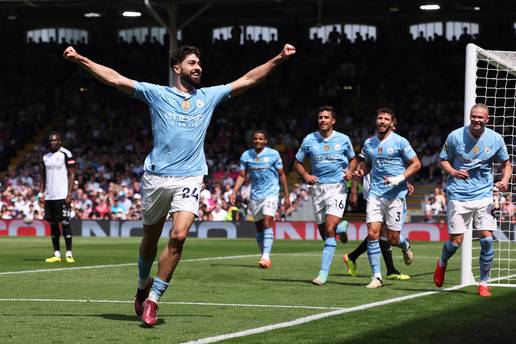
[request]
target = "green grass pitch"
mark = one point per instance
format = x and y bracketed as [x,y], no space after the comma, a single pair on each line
[218,289]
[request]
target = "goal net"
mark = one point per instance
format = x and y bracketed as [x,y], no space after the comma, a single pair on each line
[491,80]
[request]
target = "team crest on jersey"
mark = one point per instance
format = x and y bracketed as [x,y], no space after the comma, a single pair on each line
[380,150]
[487,150]
[199,103]
[476,149]
[326,148]
[185,104]
[266,159]
[390,150]
[337,146]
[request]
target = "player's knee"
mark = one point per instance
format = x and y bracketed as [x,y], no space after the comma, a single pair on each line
[179,237]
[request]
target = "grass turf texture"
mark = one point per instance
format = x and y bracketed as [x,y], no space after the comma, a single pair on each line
[108,317]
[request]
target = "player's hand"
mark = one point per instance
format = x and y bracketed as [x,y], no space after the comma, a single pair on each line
[286,202]
[42,201]
[358,174]
[288,50]
[310,180]
[232,198]
[410,188]
[353,199]
[68,199]
[502,185]
[460,174]
[348,175]
[71,55]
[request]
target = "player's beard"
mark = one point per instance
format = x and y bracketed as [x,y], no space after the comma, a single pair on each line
[187,79]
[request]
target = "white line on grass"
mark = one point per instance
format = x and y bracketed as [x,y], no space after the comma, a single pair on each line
[183,260]
[173,303]
[315,317]
[121,265]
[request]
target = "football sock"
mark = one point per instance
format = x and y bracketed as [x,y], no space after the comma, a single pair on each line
[361,249]
[259,240]
[387,256]
[404,243]
[486,257]
[57,254]
[69,253]
[55,235]
[330,244]
[67,234]
[373,253]
[144,268]
[449,249]
[268,240]
[158,288]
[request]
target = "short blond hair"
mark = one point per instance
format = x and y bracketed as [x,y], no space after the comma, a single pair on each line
[479,106]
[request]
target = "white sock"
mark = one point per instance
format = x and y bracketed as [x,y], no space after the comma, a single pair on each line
[69,254]
[266,256]
[377,275]
[57,254]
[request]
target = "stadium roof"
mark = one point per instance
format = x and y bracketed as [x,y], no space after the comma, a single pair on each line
[42,12]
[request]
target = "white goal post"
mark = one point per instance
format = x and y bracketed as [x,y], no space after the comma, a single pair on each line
[491,79]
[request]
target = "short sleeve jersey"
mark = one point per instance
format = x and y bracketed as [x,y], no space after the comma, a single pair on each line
[464,152]
[388,158]
[56,172]
[179,124]
[329,157]
[263,170]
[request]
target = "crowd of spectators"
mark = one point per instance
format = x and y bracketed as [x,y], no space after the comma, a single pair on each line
[109,133]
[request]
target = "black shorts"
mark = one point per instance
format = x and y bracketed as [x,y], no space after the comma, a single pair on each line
[57,210]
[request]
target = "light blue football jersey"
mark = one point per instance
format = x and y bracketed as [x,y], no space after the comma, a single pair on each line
[179,124]
[329,157]
[263,170]
[465,152]
[388,158]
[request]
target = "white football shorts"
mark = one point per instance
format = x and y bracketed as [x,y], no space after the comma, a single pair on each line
[461,213]
[168,194]
[390,211]
[263,207]
[329,199]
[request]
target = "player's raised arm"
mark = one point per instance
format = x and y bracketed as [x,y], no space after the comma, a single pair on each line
[102,73]
[258,74]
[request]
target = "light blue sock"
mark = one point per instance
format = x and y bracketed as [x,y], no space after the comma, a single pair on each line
[144,268]
[268,240]
[449,249]
[259,241]
[373,254]
[330,244]
[404,243]
[486,257]
[158,288]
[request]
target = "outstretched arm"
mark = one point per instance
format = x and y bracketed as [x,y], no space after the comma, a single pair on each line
[102,73]
[258,74]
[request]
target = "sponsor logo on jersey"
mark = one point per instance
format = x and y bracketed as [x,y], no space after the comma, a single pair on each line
[185,104]
[380,150]
[199,103]
[326,148]
[476,149]
[257,159]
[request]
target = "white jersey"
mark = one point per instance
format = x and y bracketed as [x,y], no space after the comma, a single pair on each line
[56,167]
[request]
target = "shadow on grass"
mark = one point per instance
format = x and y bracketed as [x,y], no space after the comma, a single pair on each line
[254,266]
[483,320]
